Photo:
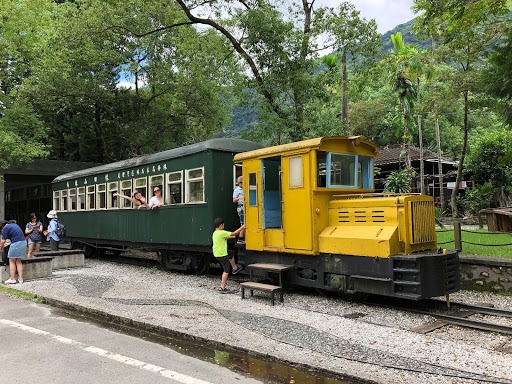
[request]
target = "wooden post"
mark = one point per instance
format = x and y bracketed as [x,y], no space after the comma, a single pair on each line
[457,236]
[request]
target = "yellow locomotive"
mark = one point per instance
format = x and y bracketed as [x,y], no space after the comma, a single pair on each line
[311,206]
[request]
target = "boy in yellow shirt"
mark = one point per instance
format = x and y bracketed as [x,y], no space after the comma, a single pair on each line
[220,251]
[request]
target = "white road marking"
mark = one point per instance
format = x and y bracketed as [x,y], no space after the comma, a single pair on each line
[109,355]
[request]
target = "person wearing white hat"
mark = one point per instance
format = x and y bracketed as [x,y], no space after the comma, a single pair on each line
[51,233]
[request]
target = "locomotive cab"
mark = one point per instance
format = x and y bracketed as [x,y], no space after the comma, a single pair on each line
[290,187]
[311,204]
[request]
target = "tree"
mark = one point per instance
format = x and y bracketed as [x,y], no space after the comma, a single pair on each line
[490,160]
[279,51]
[496,77]
[21,130]
[465,28]
[404,87]
[354,38]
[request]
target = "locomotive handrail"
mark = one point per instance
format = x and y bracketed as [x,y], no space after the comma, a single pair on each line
[376,194]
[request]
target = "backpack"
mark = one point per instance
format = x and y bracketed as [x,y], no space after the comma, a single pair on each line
[60,230]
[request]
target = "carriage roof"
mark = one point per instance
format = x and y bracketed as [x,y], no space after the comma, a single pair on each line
[307,144]
[218,144]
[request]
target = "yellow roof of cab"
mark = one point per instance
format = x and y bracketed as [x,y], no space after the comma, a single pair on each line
[311,144]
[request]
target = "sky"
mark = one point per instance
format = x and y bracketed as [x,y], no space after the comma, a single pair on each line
[387,13]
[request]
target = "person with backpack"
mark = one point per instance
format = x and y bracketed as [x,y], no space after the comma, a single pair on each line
[51,233]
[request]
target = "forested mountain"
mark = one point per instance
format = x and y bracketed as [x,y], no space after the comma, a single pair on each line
[244,118]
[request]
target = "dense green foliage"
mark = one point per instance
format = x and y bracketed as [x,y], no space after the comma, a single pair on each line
[96,80]
[398,182]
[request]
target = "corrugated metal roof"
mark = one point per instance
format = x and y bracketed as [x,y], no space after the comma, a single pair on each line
[218,144]
[311,144]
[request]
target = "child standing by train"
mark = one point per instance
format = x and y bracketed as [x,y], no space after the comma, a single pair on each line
[220,251]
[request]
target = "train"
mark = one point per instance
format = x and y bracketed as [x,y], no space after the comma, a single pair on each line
[310,206]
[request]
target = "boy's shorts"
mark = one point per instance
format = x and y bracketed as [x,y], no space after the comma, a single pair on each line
[224,261]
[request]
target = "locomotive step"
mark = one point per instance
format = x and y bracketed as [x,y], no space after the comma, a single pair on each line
[413,270]
[272,268]
[253,286]
[406,282]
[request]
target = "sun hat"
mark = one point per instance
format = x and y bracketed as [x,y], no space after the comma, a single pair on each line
[52,214]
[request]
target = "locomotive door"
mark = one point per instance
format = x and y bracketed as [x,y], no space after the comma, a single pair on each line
[296,207]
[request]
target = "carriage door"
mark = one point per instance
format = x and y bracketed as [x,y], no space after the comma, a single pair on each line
[272,217]
[295,179]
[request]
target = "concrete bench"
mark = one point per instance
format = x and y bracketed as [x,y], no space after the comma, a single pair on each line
[33,268]
[66,258]
[253,286]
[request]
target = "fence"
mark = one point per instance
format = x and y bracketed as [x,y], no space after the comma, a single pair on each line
[458,239]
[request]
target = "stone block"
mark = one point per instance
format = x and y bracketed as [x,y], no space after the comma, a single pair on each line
[32,269]
[64,259]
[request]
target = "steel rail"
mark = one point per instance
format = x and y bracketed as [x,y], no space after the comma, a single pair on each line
[487,310]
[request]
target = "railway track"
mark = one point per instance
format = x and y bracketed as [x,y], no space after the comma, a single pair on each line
[458,314]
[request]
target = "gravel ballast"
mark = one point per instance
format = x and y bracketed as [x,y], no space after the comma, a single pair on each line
[309,329]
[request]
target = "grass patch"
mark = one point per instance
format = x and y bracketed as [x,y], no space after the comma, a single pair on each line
[21,294]
[487,242]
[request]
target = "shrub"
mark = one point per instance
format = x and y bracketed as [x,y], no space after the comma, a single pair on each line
[398,182]
[477,198]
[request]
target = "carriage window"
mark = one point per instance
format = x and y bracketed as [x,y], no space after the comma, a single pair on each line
[296,172]
[347,171]
[141,185]
[194,185]
[63,200]
[80,203]
[321,169]
[341,170]
[101,196]
[253,190]
[365,172]
[90,203]
[113,201]
[157,181]
[126,189]
[237,172]
[72,199]
[175,187]
[56,200]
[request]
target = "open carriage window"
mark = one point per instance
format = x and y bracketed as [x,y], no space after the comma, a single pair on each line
[195,185]
[80,203]
[175,187]
[72,199]
[126,190]
[56,200]
[157,181]
[253,188]
[101,196]
[91,202]
[113,201]
[346,171]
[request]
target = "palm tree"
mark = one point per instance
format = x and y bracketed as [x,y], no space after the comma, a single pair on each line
[405,88]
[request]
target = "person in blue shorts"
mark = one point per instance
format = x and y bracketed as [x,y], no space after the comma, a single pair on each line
[220,251]
[17,250]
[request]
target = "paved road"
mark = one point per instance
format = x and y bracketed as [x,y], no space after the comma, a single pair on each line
[38,345]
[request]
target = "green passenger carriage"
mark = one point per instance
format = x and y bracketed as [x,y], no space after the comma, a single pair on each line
[197,183]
